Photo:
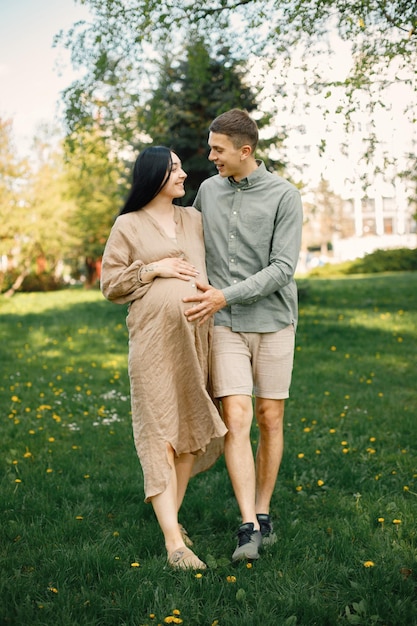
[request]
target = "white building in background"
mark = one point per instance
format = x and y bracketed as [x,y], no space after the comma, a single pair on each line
[376,209]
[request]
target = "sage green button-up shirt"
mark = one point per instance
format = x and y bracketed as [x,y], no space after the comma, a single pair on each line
[252,234]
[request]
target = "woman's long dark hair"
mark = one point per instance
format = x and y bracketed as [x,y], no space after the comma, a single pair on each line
[150,174]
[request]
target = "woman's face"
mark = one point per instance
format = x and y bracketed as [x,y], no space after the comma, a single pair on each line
[175,184]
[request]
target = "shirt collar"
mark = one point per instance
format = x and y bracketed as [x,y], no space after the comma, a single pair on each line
[253,177]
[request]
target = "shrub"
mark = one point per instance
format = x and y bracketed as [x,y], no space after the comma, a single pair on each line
[41,282]
[398,260]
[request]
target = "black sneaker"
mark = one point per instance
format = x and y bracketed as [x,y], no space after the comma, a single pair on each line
[248,543]
[267,529]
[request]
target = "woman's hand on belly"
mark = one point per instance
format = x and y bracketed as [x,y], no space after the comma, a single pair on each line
[170,267]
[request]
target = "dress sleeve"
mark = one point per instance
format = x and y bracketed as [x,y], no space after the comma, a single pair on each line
[120,269]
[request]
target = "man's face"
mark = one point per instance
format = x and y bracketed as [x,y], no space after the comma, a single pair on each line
[225,156]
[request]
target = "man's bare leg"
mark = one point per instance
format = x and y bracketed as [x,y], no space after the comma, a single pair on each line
[270,417]
[238,415]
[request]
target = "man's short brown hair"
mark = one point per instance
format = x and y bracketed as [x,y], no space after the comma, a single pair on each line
[239,126]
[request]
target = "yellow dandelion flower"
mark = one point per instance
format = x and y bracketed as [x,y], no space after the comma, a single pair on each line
[53,589]
[300,455]
[320,483]
[333,348]
[318,451]
[343,443]
[249,565]
[369,564]
[86,475]
[51,439]
[31,432]
[371,450]
[231,579]
[396,521]
[135,564]
[327,393]
[298,488]
[381,520]
[116,533]
[199,575]
[152,615]
[15,399]
[176,612]
[332,430]
[372,439]
[17,480]
[307,429]
[79,517]
[215,623]
[49,470]
[345,450]
[406,488]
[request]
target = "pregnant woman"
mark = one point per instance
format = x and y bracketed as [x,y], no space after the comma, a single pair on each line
[153,255]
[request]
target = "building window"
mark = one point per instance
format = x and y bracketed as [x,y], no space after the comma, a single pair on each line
[388,226]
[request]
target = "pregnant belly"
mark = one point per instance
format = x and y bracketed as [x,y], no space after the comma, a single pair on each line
[162,303]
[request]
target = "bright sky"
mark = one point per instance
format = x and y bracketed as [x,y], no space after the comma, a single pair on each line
[29,82]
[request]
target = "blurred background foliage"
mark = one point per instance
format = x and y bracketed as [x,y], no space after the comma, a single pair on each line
[159,72]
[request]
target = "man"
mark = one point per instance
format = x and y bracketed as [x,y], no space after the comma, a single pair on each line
[252,230]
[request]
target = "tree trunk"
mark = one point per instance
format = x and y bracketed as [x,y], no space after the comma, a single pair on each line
[17,284]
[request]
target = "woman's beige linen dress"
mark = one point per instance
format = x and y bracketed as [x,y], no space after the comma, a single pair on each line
[168,356]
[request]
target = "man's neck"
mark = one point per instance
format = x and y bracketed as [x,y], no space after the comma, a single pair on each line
[248,166]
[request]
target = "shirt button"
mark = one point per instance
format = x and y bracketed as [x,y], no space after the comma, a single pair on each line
[232,236]
[234,212]
[232,260]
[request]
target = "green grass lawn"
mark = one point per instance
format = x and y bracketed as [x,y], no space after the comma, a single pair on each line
[80,547]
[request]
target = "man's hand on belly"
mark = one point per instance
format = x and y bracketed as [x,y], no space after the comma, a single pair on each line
[208,302]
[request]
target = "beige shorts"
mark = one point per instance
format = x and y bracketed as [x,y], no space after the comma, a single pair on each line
[252,363]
